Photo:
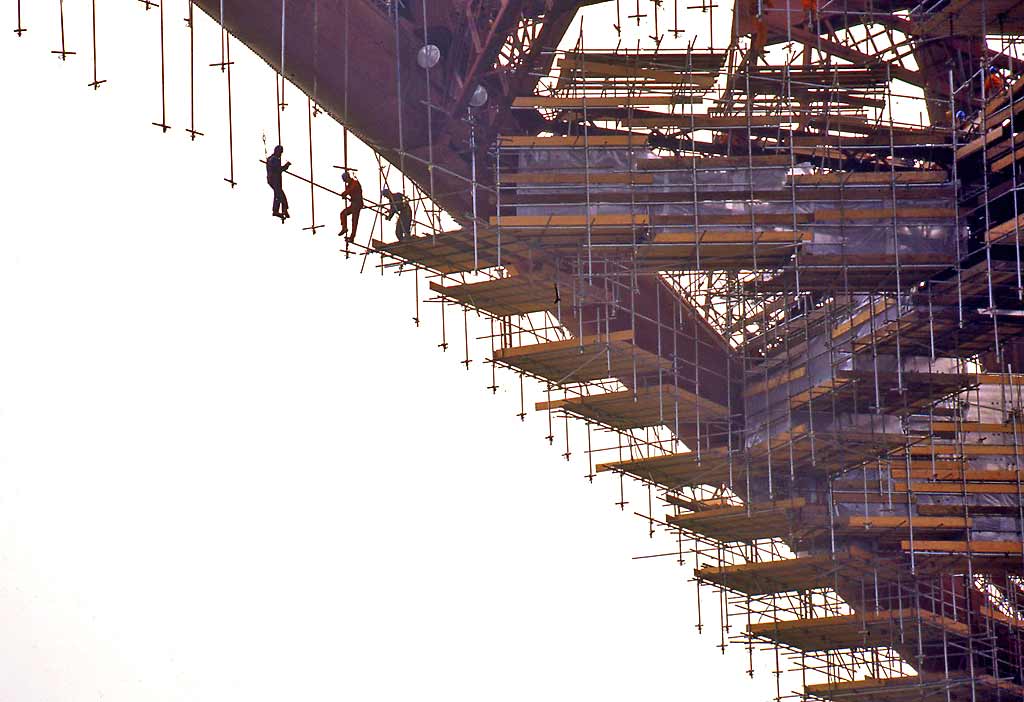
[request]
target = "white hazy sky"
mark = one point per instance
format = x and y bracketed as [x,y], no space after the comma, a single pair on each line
[231,468]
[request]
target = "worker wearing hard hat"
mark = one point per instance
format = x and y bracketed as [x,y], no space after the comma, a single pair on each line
[399,206]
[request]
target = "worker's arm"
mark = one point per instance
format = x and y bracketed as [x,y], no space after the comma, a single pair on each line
[286,166]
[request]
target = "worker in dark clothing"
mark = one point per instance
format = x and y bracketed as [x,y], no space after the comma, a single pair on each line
[354,193]
[399,206]
[274,174]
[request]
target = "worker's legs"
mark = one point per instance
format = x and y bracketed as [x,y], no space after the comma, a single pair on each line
[403,228]
[355,222]
[354,211]
[344,220]
[280,202]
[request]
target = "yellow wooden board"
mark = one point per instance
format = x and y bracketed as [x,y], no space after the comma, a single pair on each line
[875,178]
[600,69]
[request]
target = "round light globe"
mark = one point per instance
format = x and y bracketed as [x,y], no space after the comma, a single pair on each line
[428,56]
[479,97]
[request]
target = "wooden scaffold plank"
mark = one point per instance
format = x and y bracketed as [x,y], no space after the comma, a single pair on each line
[646,407]
[586,359]
[503,297]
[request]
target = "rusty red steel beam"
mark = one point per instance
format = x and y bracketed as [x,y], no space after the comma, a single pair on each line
[507,15]
[852,55]
[786,20]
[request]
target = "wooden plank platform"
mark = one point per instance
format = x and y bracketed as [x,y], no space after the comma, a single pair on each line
[1006,112]
[744,221]
[1003,148]
[1012,157]
[503,297]
[877,308]
[789,575]
[1006,230]
[676,470]
[580,66]
[788,451]
[998,102]
[778,379]
[856,391]
[820,452]
[825,197]
[876,178]
[722,250]
[884,213]
[451,252]
[929,687]
[586,359]
[885,629]
[944,428]
[960,450]
[684,61]
[869,217]
[648,407]
[743,523]
[855,273]
[894,527]
[972,18]
[939,487]
[976,144]
[975,510]
[952,471]
[880,140]
[952,556]
[574,226]
[919,332]
[981,548]
[823,76]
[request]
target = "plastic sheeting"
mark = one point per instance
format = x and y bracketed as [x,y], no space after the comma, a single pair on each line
[876,236]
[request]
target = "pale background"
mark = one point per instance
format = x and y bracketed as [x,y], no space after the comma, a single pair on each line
[231,468]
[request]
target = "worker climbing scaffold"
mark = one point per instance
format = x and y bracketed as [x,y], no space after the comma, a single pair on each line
[275,170]
[354,194]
